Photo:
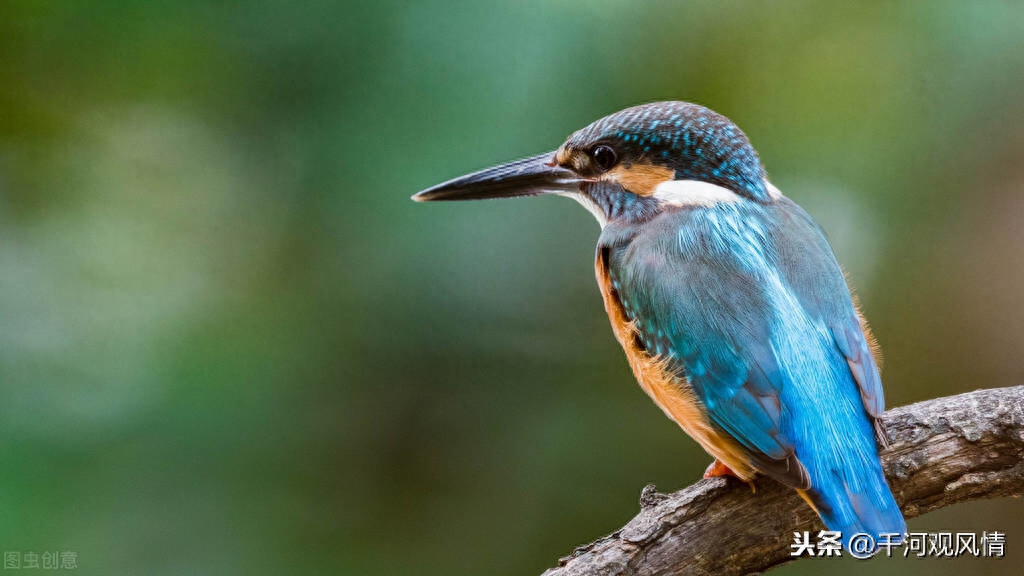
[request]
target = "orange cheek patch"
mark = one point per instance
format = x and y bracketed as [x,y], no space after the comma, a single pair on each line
[640,179]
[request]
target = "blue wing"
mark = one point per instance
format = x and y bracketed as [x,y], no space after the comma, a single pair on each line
[747,302]
[670,280]
[811,271]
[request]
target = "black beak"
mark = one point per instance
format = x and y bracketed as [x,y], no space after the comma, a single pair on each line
[527,177]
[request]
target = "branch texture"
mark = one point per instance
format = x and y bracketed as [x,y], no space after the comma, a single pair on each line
[941,452]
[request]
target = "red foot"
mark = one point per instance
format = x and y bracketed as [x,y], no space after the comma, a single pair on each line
[718,469]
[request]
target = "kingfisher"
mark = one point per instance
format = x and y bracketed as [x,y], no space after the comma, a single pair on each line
[735,317]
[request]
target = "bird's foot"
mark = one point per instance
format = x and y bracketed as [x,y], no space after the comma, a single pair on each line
[717,468]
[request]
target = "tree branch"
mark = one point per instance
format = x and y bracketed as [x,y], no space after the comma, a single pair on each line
[941,452]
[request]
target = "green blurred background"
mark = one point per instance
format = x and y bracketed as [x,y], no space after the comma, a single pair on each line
[230,344]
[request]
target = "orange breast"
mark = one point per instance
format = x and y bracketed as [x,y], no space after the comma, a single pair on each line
[671,392]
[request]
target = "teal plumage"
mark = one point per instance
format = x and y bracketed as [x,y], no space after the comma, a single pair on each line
[749,305]
[727,299]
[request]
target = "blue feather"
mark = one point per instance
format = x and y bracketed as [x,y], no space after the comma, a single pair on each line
[748,302]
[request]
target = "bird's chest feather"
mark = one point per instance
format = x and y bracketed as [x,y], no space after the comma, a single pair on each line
[690,276]
[639,254]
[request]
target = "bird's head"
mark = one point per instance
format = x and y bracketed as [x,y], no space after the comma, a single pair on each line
[631,163]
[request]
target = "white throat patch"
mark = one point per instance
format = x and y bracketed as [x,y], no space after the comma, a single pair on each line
[692,193]
[589,204]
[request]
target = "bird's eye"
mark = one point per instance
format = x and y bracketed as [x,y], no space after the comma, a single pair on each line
[604,157]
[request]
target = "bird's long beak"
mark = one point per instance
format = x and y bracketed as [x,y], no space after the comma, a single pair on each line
[527,177]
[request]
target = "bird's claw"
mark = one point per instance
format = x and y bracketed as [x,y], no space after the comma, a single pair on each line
[717,468]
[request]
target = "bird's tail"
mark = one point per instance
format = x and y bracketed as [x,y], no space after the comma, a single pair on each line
[856,501]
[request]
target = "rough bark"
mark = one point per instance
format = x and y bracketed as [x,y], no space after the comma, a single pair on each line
[941,452]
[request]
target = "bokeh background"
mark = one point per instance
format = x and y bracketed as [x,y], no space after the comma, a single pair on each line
[230,344]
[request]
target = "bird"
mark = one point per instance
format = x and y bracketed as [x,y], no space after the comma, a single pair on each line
[727,298]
